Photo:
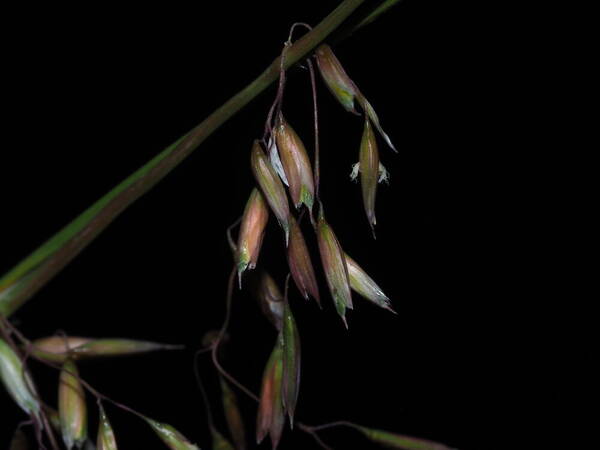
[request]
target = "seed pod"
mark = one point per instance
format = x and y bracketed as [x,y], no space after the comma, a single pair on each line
[270,298]
[271,416]
[271,186]
[17,382]
[369,172]
[300,263]
[106,436]
[296,164]
[335,77]
[233,415]
[19,441]
[393,440]
[252,231]
[170,436]
[365,286]
[334,265]
[291,362]
[72,409]
[51,348]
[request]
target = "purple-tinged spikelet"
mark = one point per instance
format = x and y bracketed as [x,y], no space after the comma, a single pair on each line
[296,164]
[271,415]
[271,186]
[252,231]
[334,265]
[335,77]
[300,263]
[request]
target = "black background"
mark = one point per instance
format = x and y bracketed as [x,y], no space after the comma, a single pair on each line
[480,354]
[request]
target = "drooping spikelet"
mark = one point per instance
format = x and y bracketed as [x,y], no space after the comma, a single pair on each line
[106,436]
[233,415]
[271,186]
[336,78]
[291,362]
[72,409]
[59,348]
[271,416]
[365,286]
[270,298]
[300,263]
[170,436]
[17,382]
[296,164]
[252,231]
[344,89]
[334,265]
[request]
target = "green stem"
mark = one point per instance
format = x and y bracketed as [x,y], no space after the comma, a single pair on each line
[26,278]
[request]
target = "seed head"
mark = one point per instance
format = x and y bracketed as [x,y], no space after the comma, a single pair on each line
[334,265]
[252,231]
[365,286]
[72,409]
[296,164]
[271,187]
[300,263]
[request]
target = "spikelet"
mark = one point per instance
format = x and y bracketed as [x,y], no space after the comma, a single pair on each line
[365,286]
[295,163]
[394,440]
[344,89]
[59,349]
[170,436]
[233,415]
[291,362]
[106,436]
[17,381]
[335,77]
[271,416]
[301,266]
[334,265]
[269,298]
[72,409]
[270,185]
[252,231]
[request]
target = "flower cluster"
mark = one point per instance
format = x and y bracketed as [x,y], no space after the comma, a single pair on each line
[283,170]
